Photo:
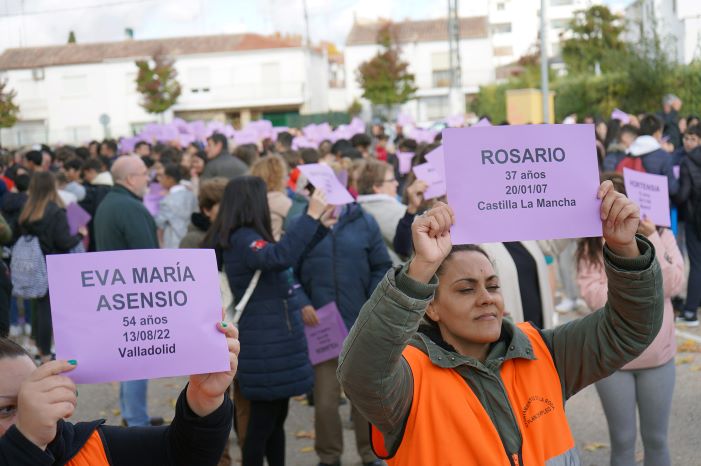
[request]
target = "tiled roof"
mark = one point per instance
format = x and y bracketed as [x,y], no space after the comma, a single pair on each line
[430,30]
[74,54]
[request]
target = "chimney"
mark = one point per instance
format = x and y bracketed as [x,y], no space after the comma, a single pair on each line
[129,34]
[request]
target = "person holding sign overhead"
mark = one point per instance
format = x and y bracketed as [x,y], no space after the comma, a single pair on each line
[34,403]
[445,379]
[274,363]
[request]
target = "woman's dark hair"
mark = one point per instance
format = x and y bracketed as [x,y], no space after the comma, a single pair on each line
[589,250]
[245,204]
[612,129]
[462,248]
[10,349]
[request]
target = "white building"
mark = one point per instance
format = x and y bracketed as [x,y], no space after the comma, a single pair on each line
[424,46]
[63,90]
[514,26]
[678,24]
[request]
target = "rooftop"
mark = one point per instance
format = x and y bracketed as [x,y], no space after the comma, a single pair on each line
[430,30]
[76,54]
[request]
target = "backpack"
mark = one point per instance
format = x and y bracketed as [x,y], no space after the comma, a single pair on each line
[28,268]
[632,163]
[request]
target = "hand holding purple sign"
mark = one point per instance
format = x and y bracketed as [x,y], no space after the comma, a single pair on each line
[514,183]
[325,340]
[137,314]
[650,193]
[405,159]
[323,177]
[77,217]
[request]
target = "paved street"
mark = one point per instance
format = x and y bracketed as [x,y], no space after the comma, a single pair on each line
[584,412]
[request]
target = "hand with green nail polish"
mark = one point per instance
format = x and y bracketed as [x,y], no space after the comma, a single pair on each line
[205,392]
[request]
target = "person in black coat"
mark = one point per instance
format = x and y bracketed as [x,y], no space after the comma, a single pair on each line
[274,362]
[689,200]
[43,216]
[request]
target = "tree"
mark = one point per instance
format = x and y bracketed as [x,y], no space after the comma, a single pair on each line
[9,111]
[71,37]
[355,108]
[385,78]
[157,83]
[596,39]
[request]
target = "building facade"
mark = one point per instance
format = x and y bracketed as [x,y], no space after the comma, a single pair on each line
[66,93]
[424,46]
[677,23]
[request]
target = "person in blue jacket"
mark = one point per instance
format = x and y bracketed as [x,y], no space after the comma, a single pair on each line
[345,267]
[273,362]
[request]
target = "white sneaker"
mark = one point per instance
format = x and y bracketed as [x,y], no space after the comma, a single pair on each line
[566,305]
[15,330]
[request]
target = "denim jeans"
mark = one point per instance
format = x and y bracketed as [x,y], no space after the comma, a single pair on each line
[132,402]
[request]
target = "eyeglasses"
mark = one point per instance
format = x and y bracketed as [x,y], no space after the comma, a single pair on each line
[393,180]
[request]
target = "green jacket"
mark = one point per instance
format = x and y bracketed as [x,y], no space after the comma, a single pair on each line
[122,222]
[378,381]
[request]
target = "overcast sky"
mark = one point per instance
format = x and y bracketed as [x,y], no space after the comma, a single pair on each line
[48,22]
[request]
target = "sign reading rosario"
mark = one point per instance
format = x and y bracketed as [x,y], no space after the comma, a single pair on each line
[509,183]
[137,314]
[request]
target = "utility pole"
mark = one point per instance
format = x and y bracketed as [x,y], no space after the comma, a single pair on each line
[456,96]
[544,78]
[307,39]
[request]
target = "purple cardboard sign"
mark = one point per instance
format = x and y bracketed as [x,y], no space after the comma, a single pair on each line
[405,159]
[430,174]
[152,199]
[325,340]
[138,314]
[515,183]
[676,170]
[618,114]
[323,177]
[651,193]
[77,217]
[483,122]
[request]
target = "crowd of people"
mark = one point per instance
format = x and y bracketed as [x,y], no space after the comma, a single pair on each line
[279,242]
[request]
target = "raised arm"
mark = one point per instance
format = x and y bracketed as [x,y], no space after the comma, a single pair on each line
[373,373]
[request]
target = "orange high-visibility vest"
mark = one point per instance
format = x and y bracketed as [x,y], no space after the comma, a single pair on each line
[448,426]
[92,453]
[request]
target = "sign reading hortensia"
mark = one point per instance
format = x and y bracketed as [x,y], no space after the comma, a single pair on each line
[139,314]
[514,183]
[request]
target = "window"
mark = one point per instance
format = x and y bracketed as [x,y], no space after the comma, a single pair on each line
[440,66]
[198,80]
[501,28]
[436,107]
[560,23]
[503,51]
[501,6]
[561,2]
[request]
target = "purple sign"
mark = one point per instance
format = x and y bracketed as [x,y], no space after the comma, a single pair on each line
[430,174]
[618,114]
[513,183]
[138,314]
[323,177]
[77,217]
[152,199]
[325,340]
[405,159]
[483,122]
[651,193]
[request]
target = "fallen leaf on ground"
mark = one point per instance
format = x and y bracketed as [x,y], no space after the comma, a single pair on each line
[696,368]
[116,412]
[306,434]
[689,346]
[300,398]
[684,360]
[593,446]
[306,449]
[173,402]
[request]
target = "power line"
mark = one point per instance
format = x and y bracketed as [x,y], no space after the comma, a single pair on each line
[74,8]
